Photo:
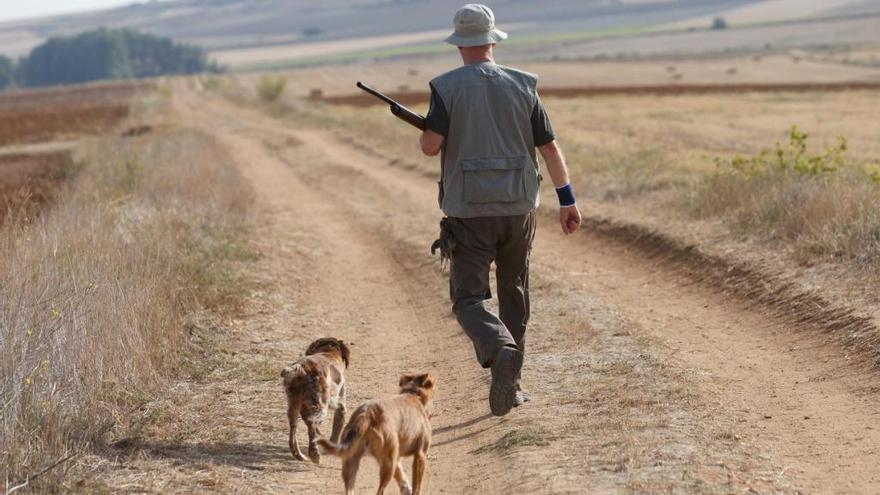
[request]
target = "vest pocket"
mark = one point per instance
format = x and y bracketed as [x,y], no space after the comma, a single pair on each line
[494,180]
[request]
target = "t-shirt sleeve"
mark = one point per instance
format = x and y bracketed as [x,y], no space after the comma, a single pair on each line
[542,130]
[437,119]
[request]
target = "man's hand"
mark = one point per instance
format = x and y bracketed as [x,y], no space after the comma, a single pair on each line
[570,219]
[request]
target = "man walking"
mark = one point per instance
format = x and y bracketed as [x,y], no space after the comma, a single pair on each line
[487,121]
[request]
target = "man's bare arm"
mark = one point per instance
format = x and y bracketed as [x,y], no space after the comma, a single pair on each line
[431,142]
[555,163]
[569,216]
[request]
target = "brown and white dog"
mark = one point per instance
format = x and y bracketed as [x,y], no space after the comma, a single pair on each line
[313,385]
[388,429]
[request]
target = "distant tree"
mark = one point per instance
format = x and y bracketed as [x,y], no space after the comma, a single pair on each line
[719,23]
[7,72]
[110,54]
[154,56]
[87,57]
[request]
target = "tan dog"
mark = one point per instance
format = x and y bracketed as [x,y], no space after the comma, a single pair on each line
[389,429]
[313,385]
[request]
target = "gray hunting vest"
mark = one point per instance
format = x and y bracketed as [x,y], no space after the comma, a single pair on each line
[489,163]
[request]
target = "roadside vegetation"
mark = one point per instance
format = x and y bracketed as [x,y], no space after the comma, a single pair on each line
[269,88]
[817,201]
[100,291]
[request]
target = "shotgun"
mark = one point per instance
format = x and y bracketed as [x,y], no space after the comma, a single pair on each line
[398,110]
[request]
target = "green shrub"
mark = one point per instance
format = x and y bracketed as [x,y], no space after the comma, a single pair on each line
[270,88]
[791,157]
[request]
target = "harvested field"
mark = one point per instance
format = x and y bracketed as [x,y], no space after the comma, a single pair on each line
[44,115]
[422,97]
[770,69]
[771,10]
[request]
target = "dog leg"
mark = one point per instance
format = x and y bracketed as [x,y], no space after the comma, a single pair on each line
[291,441]
[418,474]
[338,418]
[386,472]
[314,434]
[402,482]
[349,473]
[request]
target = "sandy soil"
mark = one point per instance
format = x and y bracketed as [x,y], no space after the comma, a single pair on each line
[642,380]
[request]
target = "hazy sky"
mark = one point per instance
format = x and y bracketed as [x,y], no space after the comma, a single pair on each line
[16,9]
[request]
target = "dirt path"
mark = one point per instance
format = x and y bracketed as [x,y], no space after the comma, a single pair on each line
[642,382]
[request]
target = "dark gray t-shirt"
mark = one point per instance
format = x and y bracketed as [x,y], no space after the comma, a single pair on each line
[438,120]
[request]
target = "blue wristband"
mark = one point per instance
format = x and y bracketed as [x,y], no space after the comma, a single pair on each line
[565,195]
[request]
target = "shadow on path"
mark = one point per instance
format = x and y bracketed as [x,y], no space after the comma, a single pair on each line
[464,424]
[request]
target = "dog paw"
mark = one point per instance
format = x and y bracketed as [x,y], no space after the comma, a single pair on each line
[298,456]
[315,456]
[405,490]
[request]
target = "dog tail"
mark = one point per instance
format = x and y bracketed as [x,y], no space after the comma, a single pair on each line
[353,438]
[289,373]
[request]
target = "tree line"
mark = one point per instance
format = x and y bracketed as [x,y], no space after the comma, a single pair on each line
[103,54]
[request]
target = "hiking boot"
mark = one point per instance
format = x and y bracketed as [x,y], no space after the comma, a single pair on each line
[520,399]
[505,370]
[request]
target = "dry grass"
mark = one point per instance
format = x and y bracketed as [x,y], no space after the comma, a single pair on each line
[95,292]
[29,180]
[656,158]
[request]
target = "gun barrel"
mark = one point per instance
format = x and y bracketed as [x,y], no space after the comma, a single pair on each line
[398,110]
[375,93]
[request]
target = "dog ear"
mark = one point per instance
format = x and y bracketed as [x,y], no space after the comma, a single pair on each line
[316,346]
[404,379]
[426,380]
[343,351]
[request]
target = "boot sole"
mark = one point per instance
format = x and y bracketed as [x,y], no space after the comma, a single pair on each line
[502,394]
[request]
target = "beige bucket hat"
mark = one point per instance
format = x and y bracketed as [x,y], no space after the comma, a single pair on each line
[475,26]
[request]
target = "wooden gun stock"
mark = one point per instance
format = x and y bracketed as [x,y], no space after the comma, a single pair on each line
[398,110]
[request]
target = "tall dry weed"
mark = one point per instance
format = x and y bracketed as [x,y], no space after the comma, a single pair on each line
[94,291]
